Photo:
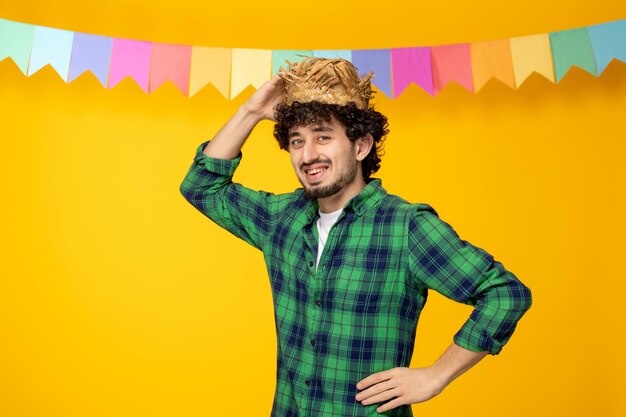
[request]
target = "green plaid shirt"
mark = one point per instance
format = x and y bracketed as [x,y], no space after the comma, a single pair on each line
[357,313]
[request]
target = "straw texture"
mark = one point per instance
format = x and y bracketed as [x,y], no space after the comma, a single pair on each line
[332,81]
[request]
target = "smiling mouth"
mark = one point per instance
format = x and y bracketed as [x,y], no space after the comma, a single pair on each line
[314,171]
[316,174]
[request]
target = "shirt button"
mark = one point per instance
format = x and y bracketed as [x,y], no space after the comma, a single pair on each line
[312,342]
[318,302]
[311,263]
[308,382]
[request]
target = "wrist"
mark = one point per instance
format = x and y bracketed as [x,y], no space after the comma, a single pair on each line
[441,376]
[454,362]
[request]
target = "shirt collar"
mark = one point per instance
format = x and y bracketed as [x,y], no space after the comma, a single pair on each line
[369,195]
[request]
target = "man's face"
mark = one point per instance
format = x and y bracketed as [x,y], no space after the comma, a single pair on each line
[324,158]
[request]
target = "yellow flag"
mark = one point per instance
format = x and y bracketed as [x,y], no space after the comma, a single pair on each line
[210,65]
[531,53]
[250,67]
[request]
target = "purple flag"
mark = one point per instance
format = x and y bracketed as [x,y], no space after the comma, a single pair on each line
[377,60]
[93,53]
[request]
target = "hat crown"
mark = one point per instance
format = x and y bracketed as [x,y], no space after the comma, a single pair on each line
[327,80]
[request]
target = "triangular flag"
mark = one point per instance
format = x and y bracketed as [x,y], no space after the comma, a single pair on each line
[280,56]
[51,46]
[210,65]
[492,59]
[377,60]
[16,40]
[130,58]
[452,63]
[250,67]
[608,41]
[170,63]
[412,65]
[93,53]
[569,48]
[531,54]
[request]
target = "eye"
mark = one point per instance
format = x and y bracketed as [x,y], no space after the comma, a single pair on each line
[324,138]
[294,143]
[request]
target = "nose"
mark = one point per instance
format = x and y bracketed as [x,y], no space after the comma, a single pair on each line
[309,152]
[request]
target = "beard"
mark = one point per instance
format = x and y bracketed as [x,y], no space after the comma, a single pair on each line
[323,191]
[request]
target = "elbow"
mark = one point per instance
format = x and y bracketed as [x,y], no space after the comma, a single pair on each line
[522,296]
[191,195]
[187,190]
[184,190]
[197,197]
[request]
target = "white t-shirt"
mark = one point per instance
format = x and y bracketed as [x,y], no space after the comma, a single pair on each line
[324,223]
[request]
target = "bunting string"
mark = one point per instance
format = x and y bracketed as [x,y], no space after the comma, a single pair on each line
[231,70]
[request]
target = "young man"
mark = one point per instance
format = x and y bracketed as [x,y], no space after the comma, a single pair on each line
[349,265]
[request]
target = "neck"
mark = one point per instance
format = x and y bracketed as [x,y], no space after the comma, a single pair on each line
[339,200]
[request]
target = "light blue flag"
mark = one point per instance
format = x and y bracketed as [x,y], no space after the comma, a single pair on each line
[93,53]
[16,40]
[334,53]
[51,46]
[377,60]
[280,56]
[608,41]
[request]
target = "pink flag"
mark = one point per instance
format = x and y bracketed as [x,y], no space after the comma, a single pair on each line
[452,63]
[170,62]
[130,58]
[411,65]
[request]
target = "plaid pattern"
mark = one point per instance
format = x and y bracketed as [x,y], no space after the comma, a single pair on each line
[357,313]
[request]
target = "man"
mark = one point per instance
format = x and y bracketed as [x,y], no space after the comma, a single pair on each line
[349,264]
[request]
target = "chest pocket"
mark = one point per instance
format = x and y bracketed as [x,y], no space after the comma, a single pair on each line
[363,283]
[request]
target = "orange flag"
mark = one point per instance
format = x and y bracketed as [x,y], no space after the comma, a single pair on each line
[492,59]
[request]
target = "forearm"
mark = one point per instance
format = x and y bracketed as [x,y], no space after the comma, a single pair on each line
[227,143]
[454,362]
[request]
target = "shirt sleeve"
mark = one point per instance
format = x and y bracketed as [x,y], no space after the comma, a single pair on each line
[209,188]
[440,260]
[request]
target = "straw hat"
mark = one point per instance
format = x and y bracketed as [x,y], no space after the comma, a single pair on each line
[332,81]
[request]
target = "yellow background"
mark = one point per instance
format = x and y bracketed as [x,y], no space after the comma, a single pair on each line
[118,299]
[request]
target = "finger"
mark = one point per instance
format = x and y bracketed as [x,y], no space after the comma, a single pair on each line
[374,379]
[375,389]
[383,396]
[276,81]
[396,402]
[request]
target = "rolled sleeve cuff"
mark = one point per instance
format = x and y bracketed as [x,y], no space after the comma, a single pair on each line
[224,167]
[475,337]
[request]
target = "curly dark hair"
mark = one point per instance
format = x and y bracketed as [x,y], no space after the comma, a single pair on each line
[357,123]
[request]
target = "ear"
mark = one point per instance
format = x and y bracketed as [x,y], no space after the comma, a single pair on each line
[363,146]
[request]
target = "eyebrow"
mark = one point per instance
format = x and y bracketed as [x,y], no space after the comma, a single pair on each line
[316,128]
